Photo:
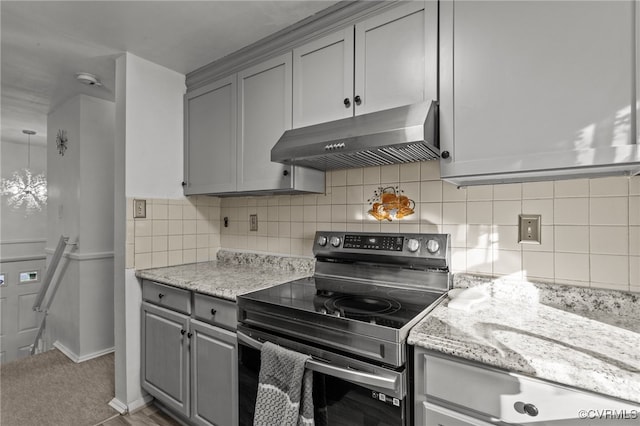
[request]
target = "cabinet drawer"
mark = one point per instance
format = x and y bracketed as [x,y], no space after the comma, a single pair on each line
[215,311]
[167,296]
[503,395]
[436,415]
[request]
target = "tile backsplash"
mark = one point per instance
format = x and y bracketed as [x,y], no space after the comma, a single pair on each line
[175,231]
[590,227]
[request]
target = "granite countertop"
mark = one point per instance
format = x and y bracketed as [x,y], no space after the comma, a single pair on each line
[581,337]
[232,273]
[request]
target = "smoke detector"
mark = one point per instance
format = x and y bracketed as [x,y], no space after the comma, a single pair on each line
[88,79]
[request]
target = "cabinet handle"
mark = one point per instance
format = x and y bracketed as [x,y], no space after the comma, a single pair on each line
[213,311]
[347,102]
[189,335]
[285,173]
[530,409]
[160,295]
[445,154]
[184,183]
[183,331]
[357,100]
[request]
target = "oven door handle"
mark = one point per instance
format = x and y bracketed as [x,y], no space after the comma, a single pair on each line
[354,376]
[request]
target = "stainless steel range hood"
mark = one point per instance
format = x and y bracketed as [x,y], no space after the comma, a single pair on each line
[397,135]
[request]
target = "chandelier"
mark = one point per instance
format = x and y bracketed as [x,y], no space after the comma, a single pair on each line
[24,188]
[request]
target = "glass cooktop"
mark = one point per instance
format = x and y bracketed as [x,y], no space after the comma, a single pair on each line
[356,301]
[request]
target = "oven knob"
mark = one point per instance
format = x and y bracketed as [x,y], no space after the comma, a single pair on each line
[335,241]
[322,240]
[413,245]
[433,246]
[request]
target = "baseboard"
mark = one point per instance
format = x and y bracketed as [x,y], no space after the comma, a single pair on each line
[118,405]
[140,403]
[77,359]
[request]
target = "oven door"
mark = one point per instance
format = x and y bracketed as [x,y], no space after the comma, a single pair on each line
[346,392]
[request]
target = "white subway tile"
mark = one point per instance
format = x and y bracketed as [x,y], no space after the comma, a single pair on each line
[354,226]
[355,176]
[339,213]
[537,264]
[189,256]
[310,229]
[506,212]
[609,186]
[571,188]
[480,193]
[189,212]
[431,191]
[160,211]
[537,190]
[131,231]
[454,213]
[188,242]
[272,213]
[284,245]
[297,213]
[355,213]
[634,211]
[143,261]
[308,199]
[511,191]
[430,170]
[143,228]
[174,257]
[339,177]
[160,243]
[355,194]
[572,266]
[541,207]
[634,240]
[480,212]
[458,260]
[453,193]
[339,226]
[426,228]
[175,212]
[609,211]
[339,195]
[411,190]
[284,213]
[410,172]
[571,211]
[634,272]
[609,240]
[507,262]
[273,229]
[143,245]
[284,229]
[480,236]
[390,227]
[159,259]
[409,228]
[609,269]
[573,239]
[371,175]
[458,234]
[431,213]
[480,260]
[634,185]
[297,247]
[390,174]
[371,226]
[190,226]
[505,237]
[309,213]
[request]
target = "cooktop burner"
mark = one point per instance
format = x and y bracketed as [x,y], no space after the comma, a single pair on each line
[373,304]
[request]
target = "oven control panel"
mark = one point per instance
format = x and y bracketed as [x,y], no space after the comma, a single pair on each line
[431,248]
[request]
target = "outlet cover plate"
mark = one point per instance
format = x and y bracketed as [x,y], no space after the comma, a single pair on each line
[139,209]
[529,229]
[253,222]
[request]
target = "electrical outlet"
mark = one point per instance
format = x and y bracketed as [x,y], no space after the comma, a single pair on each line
[253,222]
[139,209]
[529,229]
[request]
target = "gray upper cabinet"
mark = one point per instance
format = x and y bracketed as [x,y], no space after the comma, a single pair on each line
[210,138]
[231,126]
[534,90]
[382,62]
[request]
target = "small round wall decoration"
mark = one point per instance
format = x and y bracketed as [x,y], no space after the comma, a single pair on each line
[61,141]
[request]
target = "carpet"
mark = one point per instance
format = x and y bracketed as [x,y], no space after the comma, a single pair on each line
[50,389]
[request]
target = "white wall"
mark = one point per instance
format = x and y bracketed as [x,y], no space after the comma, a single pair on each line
[81,208]
[148,158]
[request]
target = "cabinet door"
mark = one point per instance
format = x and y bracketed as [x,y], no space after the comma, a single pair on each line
[165,362]
[531,85]
[264,113]
[436,415]
[214,360]
[210,138]
[396,57]
[323,79]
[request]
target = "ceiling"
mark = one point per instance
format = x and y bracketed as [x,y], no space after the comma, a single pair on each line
[45,43]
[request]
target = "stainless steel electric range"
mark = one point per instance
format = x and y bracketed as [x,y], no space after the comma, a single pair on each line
[353,317]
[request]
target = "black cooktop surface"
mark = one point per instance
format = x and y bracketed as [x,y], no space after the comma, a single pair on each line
[385,306]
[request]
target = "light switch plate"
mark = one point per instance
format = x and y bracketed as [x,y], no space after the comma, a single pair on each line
[529,229]
[253,222]
[139,209]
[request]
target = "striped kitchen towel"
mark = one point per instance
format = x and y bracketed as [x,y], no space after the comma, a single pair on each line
[284,388]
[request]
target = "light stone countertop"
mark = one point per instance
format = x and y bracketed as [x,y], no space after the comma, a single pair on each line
[581,337]
[233,273]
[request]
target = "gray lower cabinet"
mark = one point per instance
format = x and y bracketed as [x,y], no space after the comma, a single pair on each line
[214,375]
[189,354]
[165,360]
[453,392]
